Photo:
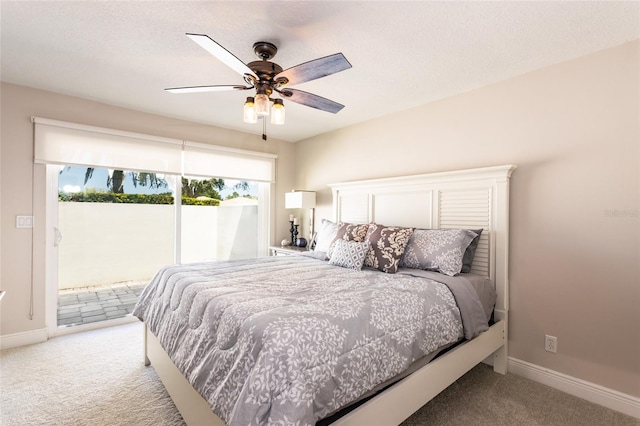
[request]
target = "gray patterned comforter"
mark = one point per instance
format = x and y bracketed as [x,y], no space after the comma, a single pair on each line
[290,340]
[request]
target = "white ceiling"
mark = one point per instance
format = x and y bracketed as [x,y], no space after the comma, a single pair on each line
[404,54]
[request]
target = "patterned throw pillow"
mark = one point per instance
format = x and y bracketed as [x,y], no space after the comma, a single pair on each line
[349,254]
[387,246]
[437,249]
[349,232]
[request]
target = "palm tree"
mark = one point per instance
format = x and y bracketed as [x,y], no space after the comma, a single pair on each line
[115,180]
[209,188]
[243,185]
[146,178]
[194,188]
[190,187]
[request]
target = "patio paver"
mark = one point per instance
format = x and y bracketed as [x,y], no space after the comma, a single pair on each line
[86,305]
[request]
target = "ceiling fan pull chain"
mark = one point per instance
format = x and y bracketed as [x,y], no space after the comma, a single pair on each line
[264,129]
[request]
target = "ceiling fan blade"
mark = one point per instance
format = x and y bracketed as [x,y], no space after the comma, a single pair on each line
[195,89]
[311,100]
[228,58]
[317,68]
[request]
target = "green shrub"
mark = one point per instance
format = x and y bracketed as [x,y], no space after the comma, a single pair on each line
[110,197]
[188,201]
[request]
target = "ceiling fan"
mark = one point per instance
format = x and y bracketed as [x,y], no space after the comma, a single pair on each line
[268,77]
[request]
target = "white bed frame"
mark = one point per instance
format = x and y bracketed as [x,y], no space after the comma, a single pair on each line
[471,199]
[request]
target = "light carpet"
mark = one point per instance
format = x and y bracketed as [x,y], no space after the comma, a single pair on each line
[90,378]
[97,378]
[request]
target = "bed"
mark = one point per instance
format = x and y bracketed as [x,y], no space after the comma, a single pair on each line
[296,339]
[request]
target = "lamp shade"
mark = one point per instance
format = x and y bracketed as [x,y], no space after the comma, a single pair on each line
[300,200]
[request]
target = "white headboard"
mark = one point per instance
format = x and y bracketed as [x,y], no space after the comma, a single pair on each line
[469,199]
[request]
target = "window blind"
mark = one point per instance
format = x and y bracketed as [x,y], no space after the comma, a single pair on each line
[59,142]
[201,160]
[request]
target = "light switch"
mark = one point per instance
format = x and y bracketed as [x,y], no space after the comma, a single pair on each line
[24,221]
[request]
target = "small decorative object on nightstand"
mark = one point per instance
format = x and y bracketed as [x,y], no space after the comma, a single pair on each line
[287,250]
[295,235]
[292,229]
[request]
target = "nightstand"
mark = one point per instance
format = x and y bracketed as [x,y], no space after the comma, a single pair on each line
[287,250]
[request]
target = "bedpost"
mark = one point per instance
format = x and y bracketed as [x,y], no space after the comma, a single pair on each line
[500,359]
[147,362]
[501,222]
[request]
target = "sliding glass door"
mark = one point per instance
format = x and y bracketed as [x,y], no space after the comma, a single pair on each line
[123,204]
[117,229]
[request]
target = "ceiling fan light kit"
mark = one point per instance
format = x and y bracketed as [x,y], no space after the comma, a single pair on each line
[262,105]
[249,113]
[277,116]
[268,77]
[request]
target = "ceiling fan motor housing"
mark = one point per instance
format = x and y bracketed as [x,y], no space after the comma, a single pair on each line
[264,69]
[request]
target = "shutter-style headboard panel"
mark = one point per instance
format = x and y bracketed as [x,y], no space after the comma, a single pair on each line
[469,199]
[469,209]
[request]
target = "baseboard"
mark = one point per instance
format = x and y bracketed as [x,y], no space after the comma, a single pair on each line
[24,338]
[591,392]
[61,331]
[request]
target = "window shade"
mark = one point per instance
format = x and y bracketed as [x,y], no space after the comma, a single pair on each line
[201,160]
[59,142]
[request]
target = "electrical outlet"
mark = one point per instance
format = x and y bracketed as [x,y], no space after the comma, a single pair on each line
[551,344]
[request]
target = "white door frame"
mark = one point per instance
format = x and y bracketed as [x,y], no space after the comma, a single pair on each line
[51,249]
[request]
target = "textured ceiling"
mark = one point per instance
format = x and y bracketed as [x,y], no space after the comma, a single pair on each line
[404,54]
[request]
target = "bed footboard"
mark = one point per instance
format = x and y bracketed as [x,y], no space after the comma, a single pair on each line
[390,407]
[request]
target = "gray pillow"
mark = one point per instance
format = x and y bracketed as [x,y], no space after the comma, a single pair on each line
[439,250]
[470,253]
[349,254]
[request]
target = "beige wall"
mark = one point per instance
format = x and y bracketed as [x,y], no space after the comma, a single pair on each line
[573,131]
[22,190]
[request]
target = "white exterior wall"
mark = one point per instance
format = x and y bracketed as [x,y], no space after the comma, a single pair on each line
[104,243]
